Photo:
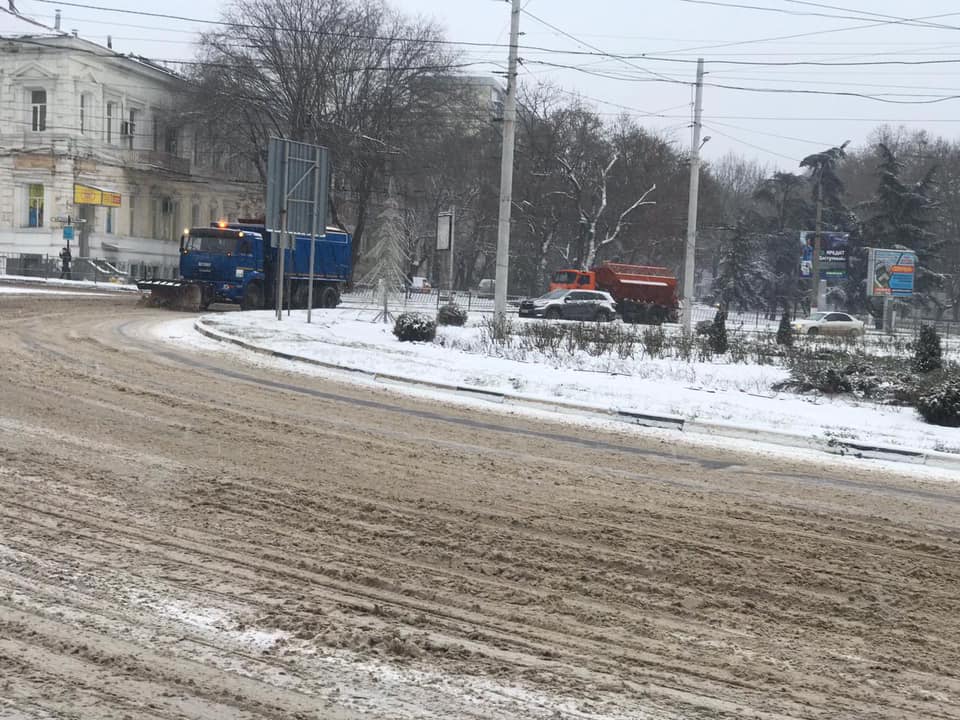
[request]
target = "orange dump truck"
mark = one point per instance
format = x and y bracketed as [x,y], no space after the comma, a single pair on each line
[644,293]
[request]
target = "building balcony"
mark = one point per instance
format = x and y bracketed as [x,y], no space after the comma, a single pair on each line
[158,159]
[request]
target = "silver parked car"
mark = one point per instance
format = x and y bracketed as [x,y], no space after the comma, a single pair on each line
[571,305]
[836,324]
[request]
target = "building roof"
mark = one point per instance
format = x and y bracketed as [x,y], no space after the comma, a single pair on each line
[14,24]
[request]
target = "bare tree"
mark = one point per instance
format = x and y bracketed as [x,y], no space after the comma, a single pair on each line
[353,75]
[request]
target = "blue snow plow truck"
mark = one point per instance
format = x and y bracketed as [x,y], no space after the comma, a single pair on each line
[237,263]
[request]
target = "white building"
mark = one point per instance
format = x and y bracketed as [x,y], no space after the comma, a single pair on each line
[92,141]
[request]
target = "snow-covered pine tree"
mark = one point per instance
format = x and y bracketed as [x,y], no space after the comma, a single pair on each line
[902,215]
[743,272]
[391,253]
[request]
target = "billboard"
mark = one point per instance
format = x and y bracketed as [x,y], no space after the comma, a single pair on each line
[890,273]
[833,254]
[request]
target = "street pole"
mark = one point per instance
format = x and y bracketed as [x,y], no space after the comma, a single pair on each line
[506,168]
[815,266]
[688,267]
[453,227]
[281,244]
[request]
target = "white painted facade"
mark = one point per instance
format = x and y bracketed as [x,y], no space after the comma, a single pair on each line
[74,112]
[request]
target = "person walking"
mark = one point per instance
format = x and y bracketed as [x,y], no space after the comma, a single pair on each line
[65,259]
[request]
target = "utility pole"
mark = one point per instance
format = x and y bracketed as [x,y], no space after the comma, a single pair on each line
[506,168]
[453,227]
[688,266]
[815,267]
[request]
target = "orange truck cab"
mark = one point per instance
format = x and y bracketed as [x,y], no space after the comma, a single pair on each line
[573,280]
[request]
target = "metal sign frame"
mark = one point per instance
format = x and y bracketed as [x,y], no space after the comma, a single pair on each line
[297,187]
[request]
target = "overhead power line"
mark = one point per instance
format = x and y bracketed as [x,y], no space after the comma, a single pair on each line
[862,15]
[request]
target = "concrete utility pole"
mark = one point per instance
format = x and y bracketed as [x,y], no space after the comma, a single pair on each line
[506,168]
[688,269]
[815,267]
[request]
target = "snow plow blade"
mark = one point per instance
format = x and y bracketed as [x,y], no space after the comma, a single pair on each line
[172,294]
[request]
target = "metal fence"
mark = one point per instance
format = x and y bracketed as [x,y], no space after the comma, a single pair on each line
[760,321]
[98,270]
[368,296]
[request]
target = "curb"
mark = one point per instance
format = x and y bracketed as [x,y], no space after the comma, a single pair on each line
[833,446]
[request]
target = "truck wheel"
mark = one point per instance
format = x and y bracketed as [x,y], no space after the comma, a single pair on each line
[299,294]
[329,297]
[552,313]
[813,331]
[252,297]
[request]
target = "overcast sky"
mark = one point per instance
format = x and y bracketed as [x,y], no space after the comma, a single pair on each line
[777,128]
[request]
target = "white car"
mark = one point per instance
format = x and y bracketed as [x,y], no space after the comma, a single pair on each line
[837,324]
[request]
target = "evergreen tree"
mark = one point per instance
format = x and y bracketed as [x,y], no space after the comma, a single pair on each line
[784,331]
[901,217]
[928,355]
[743,273]
[391,252]
[718,332]
[825,184]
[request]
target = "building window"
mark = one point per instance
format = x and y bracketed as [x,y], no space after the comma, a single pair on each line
[109,127]
[83,114]
[171,140]
[195,215]
[131,128]
[38,106]
[35,205]
[165,212]
[132,203]
[109,222]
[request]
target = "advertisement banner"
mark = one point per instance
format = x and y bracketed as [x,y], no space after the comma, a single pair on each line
[90,195]
[890,273]
[833,254]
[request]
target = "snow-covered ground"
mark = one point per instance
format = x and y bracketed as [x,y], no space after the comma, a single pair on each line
[57,282]
[706,392]
[33,290]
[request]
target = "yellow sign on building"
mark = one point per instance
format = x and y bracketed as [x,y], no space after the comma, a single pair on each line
[90,195]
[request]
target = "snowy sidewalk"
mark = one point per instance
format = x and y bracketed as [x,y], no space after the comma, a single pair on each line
[717,398]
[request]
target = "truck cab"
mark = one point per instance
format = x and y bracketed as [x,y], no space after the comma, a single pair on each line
[225,260]
[573,280]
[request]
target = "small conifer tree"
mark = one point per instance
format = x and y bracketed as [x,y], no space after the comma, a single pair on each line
[928,355]
[784,331]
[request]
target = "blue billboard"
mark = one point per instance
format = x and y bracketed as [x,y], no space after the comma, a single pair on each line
[891,273]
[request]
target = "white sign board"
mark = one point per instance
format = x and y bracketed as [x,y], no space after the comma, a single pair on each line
[444,231]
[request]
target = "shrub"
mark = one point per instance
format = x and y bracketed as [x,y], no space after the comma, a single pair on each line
[646,313]
[653,341]
[451,314]
[784,331]
[704,327]
[414,326]
[544,337]
[928,354]
[497,330]
[718,333]
[941,404]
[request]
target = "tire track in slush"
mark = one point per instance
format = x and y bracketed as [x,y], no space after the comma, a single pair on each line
[767,551]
